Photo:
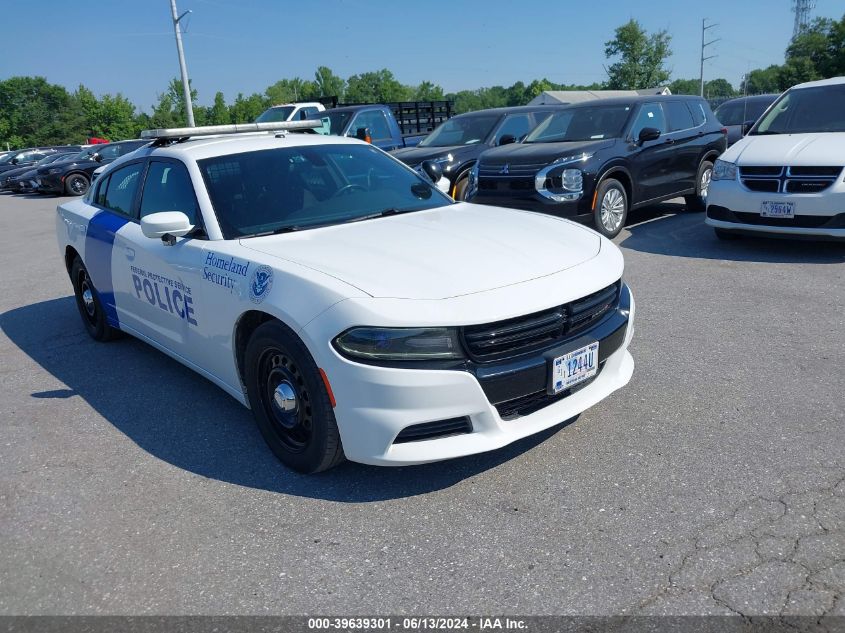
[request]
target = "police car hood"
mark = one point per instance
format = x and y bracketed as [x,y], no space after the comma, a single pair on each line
[823,148]
[448,252]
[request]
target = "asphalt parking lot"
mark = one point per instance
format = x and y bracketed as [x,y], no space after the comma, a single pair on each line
[714,483]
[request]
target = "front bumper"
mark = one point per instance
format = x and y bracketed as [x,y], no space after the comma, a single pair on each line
[732,206]
[50,183]
[375,403]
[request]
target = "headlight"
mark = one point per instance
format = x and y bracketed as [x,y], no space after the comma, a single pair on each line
[472,182]
[377,343]
[572,179]
[723,170]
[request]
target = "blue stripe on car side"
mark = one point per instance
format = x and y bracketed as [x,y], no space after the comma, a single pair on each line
[99,244]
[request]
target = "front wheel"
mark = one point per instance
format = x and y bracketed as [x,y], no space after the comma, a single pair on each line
[76,185]
[698,202]
[461,188]
[611,208]
[289,400]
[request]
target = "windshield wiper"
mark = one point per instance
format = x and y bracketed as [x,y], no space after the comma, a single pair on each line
[278,231]
[380,214]
[766,133]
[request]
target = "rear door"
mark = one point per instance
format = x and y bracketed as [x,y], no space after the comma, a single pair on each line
[686,144]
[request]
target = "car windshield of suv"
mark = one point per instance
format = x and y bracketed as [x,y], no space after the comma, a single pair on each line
[805,110]
[272,115]
[463,130]
[737,112]
[582,124]
[297,188]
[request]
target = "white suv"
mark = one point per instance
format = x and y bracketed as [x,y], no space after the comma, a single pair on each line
[786,176]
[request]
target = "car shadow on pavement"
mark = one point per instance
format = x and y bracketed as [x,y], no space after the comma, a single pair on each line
[181,418]
[664,229]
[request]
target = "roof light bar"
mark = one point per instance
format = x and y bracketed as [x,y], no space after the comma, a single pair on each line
[237,128]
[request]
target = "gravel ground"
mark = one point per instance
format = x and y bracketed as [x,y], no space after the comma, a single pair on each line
[714,483]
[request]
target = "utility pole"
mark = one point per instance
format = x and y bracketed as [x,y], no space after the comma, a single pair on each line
[704,45]
[186,86]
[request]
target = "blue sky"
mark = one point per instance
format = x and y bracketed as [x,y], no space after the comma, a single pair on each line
[127,46]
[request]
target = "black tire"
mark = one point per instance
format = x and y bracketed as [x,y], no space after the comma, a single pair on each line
[698,201]
[722,234]
[461,187]
[77,185]
[607,196]
[88,303]
[305,437]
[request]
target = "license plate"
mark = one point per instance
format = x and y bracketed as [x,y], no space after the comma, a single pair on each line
[570,369]
[777,210]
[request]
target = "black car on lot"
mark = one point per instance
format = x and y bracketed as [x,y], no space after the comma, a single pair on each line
[457,143]
[31,155]
[599,159]
[73,177]
[738,115]
[16,179]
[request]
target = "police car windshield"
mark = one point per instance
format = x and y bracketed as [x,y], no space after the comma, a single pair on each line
[462,130]
[297,188]
[582,124]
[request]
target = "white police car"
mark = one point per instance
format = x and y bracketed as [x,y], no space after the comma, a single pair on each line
[353,307]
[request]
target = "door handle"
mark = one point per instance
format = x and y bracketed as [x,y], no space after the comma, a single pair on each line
[669,141]
[130,252]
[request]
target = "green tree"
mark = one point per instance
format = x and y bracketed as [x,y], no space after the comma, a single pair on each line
[685,87]
[428,91]
[762,80]
[328,84]
[716,88]
[218,114]
[35,112]
[290,90]
[247,109]
[538,87]
[177,100]
[640,57]
[376,87]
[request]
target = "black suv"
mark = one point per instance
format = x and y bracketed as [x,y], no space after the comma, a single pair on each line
[73,177]
[598,159]
[457,143]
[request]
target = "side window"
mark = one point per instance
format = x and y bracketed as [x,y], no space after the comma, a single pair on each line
[375,121]
[650,115]
[168,188]
[679,116]
[109,152]
[517,125]
[698,115]
[100,198]
[121,188]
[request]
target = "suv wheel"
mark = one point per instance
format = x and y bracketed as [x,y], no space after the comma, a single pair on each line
[698,201]
[611,208]
[76,185]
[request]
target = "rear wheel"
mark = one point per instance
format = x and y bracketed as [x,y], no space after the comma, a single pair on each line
[611,208]
[698,202]
[722,234]
[76,185]
[88,303]
[289,400]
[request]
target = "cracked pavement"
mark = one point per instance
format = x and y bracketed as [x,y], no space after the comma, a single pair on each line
[714,483]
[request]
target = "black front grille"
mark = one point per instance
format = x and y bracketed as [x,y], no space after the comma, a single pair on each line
[760,171]
[434,430]
[807,186]
[772,186]
[815,171]
[533,402]
[520,335]
[511,169]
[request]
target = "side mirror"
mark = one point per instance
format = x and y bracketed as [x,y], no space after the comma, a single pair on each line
[746,127]
[14,161]
[649,134]
[432,170]
[507,139]
[160,225]
[363,134]
[96,156]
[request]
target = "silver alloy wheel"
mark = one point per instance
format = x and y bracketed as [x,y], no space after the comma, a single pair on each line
[704,185]
[612,210]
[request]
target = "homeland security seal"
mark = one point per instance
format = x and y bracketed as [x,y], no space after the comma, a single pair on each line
[262,281]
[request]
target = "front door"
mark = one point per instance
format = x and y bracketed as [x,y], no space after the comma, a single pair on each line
[650,161]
